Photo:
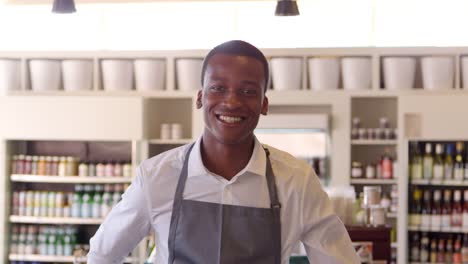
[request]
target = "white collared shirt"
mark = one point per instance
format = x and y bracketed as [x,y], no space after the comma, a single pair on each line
[306,213]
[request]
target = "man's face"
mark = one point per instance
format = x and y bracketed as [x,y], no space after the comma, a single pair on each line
[232,97]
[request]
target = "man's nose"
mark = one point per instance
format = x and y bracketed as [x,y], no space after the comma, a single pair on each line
[232,99]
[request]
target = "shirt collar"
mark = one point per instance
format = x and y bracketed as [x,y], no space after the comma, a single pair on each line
[256,164]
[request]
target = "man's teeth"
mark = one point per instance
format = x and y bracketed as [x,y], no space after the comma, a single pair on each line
[230,119]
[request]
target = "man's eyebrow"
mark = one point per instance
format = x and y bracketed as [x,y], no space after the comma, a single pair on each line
[250,82]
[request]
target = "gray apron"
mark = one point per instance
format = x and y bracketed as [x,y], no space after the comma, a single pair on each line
[209,233]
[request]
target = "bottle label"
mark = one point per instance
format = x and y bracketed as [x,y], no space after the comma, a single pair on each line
[456,219]
[436,222]
[424,256]
[448,171]
[438,171]
[415,219]
[416,171]
[414,254]
[387,169]
[465,219]
[425,220]
[446,221]
[458,174]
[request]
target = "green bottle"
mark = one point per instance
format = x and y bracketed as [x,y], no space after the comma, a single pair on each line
[428,162]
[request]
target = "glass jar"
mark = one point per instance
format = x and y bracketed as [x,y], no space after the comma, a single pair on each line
[371,195]
[356,170]
[370,171]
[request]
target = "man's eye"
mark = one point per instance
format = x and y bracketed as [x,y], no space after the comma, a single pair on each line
[249,91]
[216,88]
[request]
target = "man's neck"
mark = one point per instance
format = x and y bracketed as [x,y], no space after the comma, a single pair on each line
[224,159]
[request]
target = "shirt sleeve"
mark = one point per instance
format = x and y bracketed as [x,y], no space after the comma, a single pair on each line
[323,234]
[125,226]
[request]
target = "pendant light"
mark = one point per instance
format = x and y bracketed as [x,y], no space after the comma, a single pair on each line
[64,6]
[286,8]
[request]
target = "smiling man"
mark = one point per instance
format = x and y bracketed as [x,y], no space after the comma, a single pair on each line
[226,198]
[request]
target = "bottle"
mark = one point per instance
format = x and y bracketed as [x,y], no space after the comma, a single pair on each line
[465,210]
[83,169]
[118,170]
[55,165]
[426,210]
[77,201]
[117,194]
[428,162]
[415,245]
[465,174]
[415,209]
[62,167]
[387,165]
[424,252]
[416,162]
[14,240]
[20,164]
[86,206]
[441,251]
[59,250]
[448,163]
[34,165]
[91,169]
[127,170]
[97,202]
[42,240]
[71,168]
[464,250]
[447,210]
[51,242]
[433,254]
[457,246]
[100,170]
[456,220]
[67,242]
[458,170]
[27,164]
[449,250]
[48,165]
[436,211]
[109,169]
[41,166]
[438,167]
[106,203]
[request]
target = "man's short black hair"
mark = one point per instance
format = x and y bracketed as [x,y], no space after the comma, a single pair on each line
[238,48]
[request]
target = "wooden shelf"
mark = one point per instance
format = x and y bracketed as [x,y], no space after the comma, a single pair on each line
[146,94]
[68,179]
[372,142]
[373,181]
[448,230]
[55,220]
[181,141]
[439,183]
[46,258]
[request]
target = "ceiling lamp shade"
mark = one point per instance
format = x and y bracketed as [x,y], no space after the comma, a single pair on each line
[286,8]
[64,6]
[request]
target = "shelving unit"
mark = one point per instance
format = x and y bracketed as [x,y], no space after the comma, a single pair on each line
[55,220]
[68,179]
[373,181]
[385,142]
[445,230]
[44,258]
[136,116]
[439,183]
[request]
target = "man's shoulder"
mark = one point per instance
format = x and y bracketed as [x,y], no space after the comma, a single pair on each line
[285,160]
[172,158]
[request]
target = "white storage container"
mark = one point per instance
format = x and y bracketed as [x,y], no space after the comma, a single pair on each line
[45,75]
[399,73]
[10,77]
[77,75]
[357,73]
[464,71]
[286,73]
[324,73]
[117,75]
[438,72]
[188,72]
[150,74]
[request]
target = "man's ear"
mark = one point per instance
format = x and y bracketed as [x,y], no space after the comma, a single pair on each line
[199,99]
[264,106]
